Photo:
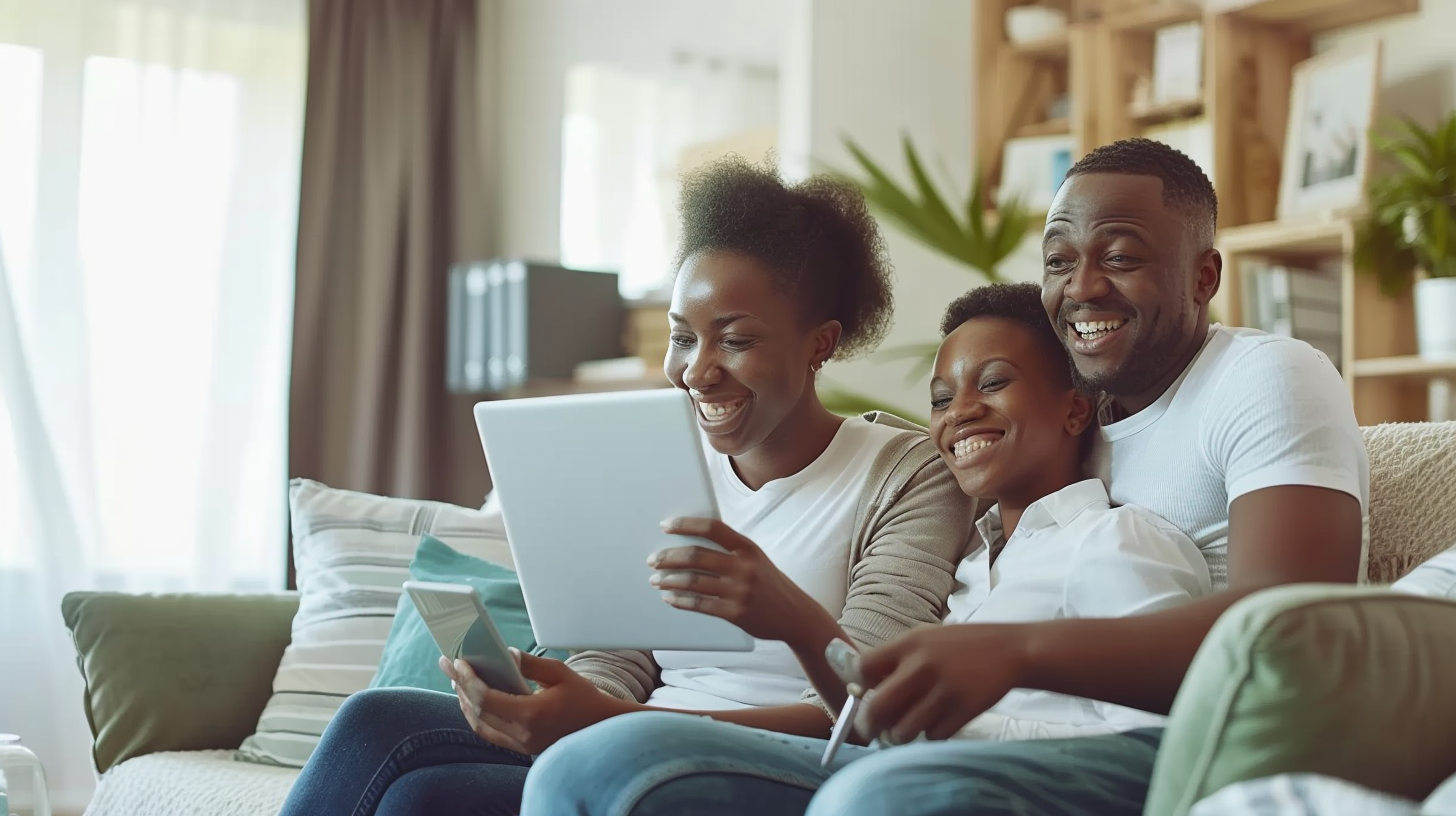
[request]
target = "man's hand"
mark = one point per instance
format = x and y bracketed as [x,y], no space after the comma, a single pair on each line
[741,586]
[565,703]
[936,679]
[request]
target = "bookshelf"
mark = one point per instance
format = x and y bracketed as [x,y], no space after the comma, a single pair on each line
[1249,49]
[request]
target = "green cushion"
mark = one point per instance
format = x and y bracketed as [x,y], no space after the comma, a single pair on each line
[175,672]
[1357,683]
[410,654]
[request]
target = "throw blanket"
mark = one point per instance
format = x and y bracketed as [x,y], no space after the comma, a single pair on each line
[1412,495]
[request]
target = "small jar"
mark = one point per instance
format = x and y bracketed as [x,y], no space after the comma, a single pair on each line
[22,780]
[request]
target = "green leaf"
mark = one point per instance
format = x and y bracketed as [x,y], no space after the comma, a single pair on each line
[934,206]
[1422,186]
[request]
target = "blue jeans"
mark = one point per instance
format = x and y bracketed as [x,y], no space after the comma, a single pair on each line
[406,751]
[664,764]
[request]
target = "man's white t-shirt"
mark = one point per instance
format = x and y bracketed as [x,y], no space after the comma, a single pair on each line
[1253,410]
[1072,555]
[804,523]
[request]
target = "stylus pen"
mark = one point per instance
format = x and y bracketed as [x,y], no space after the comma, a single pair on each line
[841,730]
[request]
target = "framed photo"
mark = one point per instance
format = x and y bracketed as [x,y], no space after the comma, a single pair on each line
[1327,145]
[1032,167]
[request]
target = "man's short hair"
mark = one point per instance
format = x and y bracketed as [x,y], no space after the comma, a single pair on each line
[1016,302]
[1185,186]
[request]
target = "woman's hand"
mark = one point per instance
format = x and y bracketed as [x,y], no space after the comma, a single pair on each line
[934,680]
[741,586]
[528,724]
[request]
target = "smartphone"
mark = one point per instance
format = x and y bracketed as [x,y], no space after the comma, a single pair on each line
[844,660]
[461,627]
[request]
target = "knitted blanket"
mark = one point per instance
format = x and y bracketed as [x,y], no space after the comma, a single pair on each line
[1412,495]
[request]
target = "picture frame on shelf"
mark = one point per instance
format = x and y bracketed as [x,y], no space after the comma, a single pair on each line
[1178,63]
[1327,144]
[1033,167]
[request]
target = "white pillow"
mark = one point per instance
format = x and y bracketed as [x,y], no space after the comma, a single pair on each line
[1434,578]
[352,553]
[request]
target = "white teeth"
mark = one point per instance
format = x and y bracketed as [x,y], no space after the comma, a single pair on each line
[714,411]
[1093,329]
[966,447]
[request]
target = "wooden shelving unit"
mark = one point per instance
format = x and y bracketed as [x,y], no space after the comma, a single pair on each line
[1250,49]
[1387,382]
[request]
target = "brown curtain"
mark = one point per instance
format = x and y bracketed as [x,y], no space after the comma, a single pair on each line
[392,195]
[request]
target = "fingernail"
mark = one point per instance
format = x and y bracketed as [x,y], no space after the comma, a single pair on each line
[669,596]
[854,690]
[652,560]
[444,663]
[668,524]
[655,579]
[461,667]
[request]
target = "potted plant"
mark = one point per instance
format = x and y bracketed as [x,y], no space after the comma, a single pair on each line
[1409,233]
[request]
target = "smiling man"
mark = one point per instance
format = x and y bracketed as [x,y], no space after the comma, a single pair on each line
[1245,442]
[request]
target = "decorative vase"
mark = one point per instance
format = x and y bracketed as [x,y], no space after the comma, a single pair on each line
[1435,300]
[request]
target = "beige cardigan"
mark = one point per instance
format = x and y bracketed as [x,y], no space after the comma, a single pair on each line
[912,528]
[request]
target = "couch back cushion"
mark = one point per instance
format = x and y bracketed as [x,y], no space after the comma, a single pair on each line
[352,553]
[174,672]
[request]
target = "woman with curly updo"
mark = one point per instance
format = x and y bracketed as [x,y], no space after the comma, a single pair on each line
[831,527]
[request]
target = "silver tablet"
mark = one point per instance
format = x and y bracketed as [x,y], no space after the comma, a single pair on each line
[584,483]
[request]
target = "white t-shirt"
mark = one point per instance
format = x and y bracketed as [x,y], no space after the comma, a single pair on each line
[1072,555]
[1254,410]
[804,524]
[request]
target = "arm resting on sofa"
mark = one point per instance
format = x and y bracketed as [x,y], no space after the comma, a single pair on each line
[1354,683]
[175,672]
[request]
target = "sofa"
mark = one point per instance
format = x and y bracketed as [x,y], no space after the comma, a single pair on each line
[1354,682]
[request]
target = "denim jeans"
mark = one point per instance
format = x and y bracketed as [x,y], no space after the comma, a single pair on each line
[394,752]
[664,764]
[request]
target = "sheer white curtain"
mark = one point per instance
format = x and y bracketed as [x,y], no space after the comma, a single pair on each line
[149,157]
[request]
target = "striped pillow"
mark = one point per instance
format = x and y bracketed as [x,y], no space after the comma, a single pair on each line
[352,552]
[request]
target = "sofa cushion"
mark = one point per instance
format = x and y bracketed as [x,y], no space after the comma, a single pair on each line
[352,553]
[1348,682]
[410,655]
[174,672]
[190,783]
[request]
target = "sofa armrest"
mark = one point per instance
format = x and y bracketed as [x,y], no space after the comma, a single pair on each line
[175,672]
[1350,682]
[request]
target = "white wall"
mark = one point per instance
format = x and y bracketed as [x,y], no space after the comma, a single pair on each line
[878,69]
[527,45]
[1418,60]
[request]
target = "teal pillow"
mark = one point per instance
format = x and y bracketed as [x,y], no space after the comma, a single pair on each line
[411,658]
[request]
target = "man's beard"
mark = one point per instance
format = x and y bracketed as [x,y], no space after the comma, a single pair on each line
[1146,362]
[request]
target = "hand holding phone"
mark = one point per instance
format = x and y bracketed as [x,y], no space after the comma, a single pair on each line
[462,628]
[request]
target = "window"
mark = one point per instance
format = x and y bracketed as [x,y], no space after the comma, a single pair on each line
[20,111]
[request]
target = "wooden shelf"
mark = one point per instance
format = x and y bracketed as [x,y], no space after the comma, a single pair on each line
[1154,15]
[1314,16]
[1161,112]
[1056,47]
[1051,127]
[1409,367]
[1286,238]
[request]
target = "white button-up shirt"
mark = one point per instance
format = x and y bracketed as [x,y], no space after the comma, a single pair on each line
[1072,556]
